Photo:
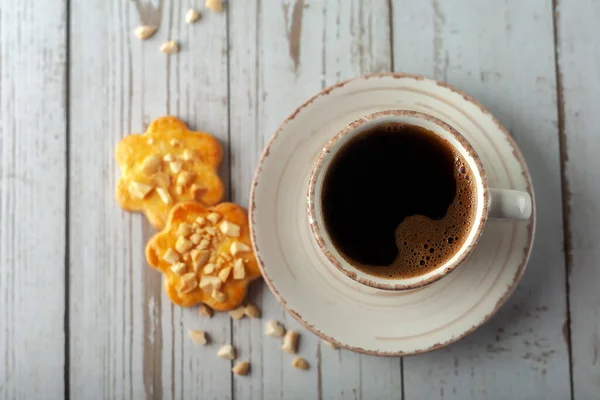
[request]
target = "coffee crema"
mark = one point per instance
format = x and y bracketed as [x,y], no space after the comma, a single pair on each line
[398,201]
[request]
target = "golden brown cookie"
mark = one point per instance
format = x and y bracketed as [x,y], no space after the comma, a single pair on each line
[205,255]
[167,165]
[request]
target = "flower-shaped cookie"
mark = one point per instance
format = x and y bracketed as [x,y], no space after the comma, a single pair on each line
[167,165]
[205,255]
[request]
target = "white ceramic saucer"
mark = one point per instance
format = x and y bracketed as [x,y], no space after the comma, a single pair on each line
[343,311]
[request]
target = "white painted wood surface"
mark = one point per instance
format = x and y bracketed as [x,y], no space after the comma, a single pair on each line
[32,199]
[238,75]
[502,54]
[579,70]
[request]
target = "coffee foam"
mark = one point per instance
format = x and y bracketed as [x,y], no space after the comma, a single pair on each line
[425,244]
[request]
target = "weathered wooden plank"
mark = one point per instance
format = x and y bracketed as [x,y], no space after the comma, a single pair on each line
[281,54]
[32,198]
[502,54]
[579,85]
[127,340]
[275,64]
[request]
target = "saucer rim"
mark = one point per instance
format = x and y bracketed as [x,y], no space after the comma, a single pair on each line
[530,228]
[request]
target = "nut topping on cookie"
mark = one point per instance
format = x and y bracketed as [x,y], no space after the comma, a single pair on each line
[151,164]
[171,256]
[209,274]
[229,229]
[238,247]
[168,156]
[164,195]
[239,272]
[139,190]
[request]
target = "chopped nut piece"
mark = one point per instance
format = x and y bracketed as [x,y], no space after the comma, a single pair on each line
[189,282]
[210,230]
[204,243]
[161,179]
[184,178]
[171,256]
[241,368]
[169,47]
[238,247]
[214,5]
[290,341]
[227,257]
[182,245]
[205,311]
[192,16]
[184,230]
[209,269]
[175,142]
[169,157]
[139,190]
[164,195]
[300,363]
[273,328]
[175,166]
[239,272]
[197,336]
[189,155]
[224,274]
[199,258]
[252,311]
[213,217]
[230,229]
[151,164]
[178,268]
[209,283]
[332,345]
[196,238]
[198,192]
[218,295]
[178,190]
[186,257]
[144,32]
[227,352]
[201,221]
[238,313]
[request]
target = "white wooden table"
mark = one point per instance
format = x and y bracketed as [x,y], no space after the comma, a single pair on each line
[83,317]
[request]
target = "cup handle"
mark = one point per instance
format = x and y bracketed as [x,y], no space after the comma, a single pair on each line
[510,204]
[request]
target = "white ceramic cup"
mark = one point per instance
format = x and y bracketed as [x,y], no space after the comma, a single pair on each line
[491,203]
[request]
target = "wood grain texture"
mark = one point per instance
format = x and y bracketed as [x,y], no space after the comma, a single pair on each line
[282,53]
[579,73]
[502,54]
[127,340]
[274,66]
[32,199]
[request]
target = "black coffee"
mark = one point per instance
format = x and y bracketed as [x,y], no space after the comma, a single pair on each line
[398,201]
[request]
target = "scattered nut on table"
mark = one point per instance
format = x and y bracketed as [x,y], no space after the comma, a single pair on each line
[252,311]
[300,363]
[273,328]
[226,352]
[290,342]
[170,47]
[198,336]
[192,16]
[238,313]
[205,311]
[241,368]
[214,5]
[144,32]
